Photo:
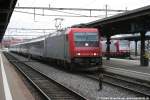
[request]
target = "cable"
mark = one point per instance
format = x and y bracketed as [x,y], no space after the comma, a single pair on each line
[54,15]
[68,12]
[28,29]
[74,9]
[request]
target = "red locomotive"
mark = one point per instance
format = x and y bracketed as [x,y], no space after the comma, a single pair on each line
[71,47]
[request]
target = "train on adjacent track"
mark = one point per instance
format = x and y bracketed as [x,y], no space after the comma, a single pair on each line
[118,48]
[75,48]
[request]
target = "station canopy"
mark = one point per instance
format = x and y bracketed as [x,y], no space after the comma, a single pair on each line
[130,37]
[6,9]
[130,22]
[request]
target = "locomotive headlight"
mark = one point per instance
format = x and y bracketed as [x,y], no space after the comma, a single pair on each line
[78,54]
[86,44]
[95,54]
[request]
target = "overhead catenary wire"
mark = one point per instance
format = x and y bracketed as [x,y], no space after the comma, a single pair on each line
[75,9]
[68,12]
[21,35]
[55,15]
[63,10]
[28,31]
[30,28]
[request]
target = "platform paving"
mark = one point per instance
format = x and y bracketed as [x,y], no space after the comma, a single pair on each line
[127,67]
[2,94]
[18,89]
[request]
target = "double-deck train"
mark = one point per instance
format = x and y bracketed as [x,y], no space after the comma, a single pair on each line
[118,48]
[70,47]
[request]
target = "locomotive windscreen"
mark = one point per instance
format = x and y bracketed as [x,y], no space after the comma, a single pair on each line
[86,39]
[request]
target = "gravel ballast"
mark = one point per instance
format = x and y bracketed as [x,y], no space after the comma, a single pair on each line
[85,86]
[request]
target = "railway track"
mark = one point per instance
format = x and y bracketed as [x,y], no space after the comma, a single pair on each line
[49,88]
[125,83]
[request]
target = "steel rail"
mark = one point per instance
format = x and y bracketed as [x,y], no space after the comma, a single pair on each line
[12,62]
[111,80]
[67,93]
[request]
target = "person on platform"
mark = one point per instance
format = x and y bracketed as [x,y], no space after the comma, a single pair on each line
[101,72]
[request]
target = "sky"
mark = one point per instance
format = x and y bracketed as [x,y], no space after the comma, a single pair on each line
[22,20]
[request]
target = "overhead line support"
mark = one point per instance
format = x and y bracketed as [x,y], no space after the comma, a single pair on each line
[77,9]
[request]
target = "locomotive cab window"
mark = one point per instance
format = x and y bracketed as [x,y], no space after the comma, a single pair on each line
[83,38]
[87,36]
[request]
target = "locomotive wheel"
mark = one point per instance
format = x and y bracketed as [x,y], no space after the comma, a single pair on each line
[65,65]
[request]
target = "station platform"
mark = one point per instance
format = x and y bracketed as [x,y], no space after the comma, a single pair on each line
[134,57]
[130,68]
[12,86]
